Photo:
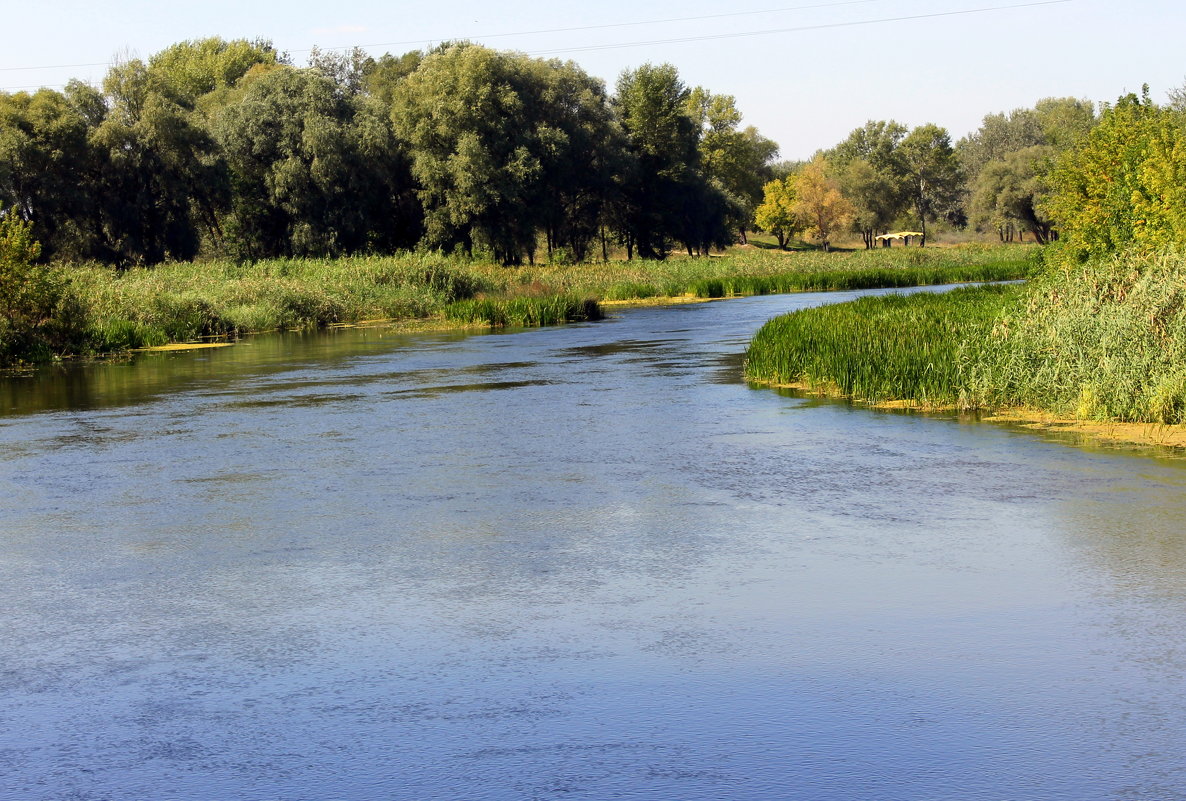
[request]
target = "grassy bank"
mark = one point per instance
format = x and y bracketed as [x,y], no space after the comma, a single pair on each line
[918,348]
[1101,341]
[106,311]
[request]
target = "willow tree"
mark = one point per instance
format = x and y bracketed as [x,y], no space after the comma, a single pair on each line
[652,105]
[505,147]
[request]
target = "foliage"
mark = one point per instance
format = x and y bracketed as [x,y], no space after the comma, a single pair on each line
[919,347]
[652,104]
[819,205]
[1007,160]
[934,177]
[1125,188]
[30,293]
[736,160]
[313,170]
[873,176]
[503,145]
[1102,340]
[1014,189]
[776,213]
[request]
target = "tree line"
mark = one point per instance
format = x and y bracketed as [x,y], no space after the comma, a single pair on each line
[884,176]
[225,148]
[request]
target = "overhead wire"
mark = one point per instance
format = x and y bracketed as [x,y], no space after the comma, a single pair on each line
[797,29]
[540,31]
[655,42]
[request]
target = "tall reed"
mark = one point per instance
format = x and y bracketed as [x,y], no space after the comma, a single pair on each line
[919,348]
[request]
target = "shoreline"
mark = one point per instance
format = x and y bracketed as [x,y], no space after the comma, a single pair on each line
[1109,433]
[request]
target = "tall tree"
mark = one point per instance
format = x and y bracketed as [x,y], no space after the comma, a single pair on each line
[776,212]
[45,159]
[492,136]
[1125,188]
[652,103]
[1013,191]
[873,175]
[295,144]
[934,173]
[736,160]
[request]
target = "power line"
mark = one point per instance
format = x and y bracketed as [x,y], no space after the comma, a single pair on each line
[799,29]
[616,24]
[524,33]
[685,39]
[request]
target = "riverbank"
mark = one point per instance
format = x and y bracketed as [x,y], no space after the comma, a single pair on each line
[104,311]
[1096,350]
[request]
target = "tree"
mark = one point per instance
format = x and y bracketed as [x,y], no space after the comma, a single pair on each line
[820,206]
[737,161]
[873,176]
[652,106]
[348,69]
[934,174]
[45,160]
[186,72]
[776,213]
[30,293]
[310,169]
[1125,188]
[505,147]
[1013,190]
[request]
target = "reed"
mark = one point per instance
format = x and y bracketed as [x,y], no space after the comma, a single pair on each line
[918,348]
[114,311]
[1104,340]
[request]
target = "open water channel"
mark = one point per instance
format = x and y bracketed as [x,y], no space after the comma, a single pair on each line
[584,562]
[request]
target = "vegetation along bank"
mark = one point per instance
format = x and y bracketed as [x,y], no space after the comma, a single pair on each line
[1099,335]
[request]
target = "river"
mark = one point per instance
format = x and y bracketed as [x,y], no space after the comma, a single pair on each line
[585,562]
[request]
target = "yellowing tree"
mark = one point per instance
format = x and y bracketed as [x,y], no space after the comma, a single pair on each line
[776,214]
[819,205]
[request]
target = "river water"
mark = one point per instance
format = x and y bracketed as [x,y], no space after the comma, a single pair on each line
[584,562]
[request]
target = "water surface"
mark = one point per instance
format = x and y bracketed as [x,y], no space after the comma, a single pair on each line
[578,562]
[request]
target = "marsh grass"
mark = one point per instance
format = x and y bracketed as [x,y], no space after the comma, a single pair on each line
[1105,340]
[116,311]
[1099,341]
[918,348]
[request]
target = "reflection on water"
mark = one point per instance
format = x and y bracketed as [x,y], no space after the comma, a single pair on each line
[584,562]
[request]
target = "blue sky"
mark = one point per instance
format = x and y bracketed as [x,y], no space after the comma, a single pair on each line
[806,87]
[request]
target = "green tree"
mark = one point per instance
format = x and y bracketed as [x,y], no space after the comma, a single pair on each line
[188,71]
[776,212]
[1125,188]
[935,179]
[1013,190]
[466,114]
[873,176]
[504,148]
[652,103]
[295,145]
[30,293]
[736,160]
[45,160]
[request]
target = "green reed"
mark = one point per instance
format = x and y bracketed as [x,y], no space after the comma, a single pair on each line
[919,348]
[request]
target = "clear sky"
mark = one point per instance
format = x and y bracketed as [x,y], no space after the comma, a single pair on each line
[805,72]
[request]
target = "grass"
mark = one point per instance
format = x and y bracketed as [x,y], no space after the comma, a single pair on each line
[1101,341]
[918,348]
[117,311]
